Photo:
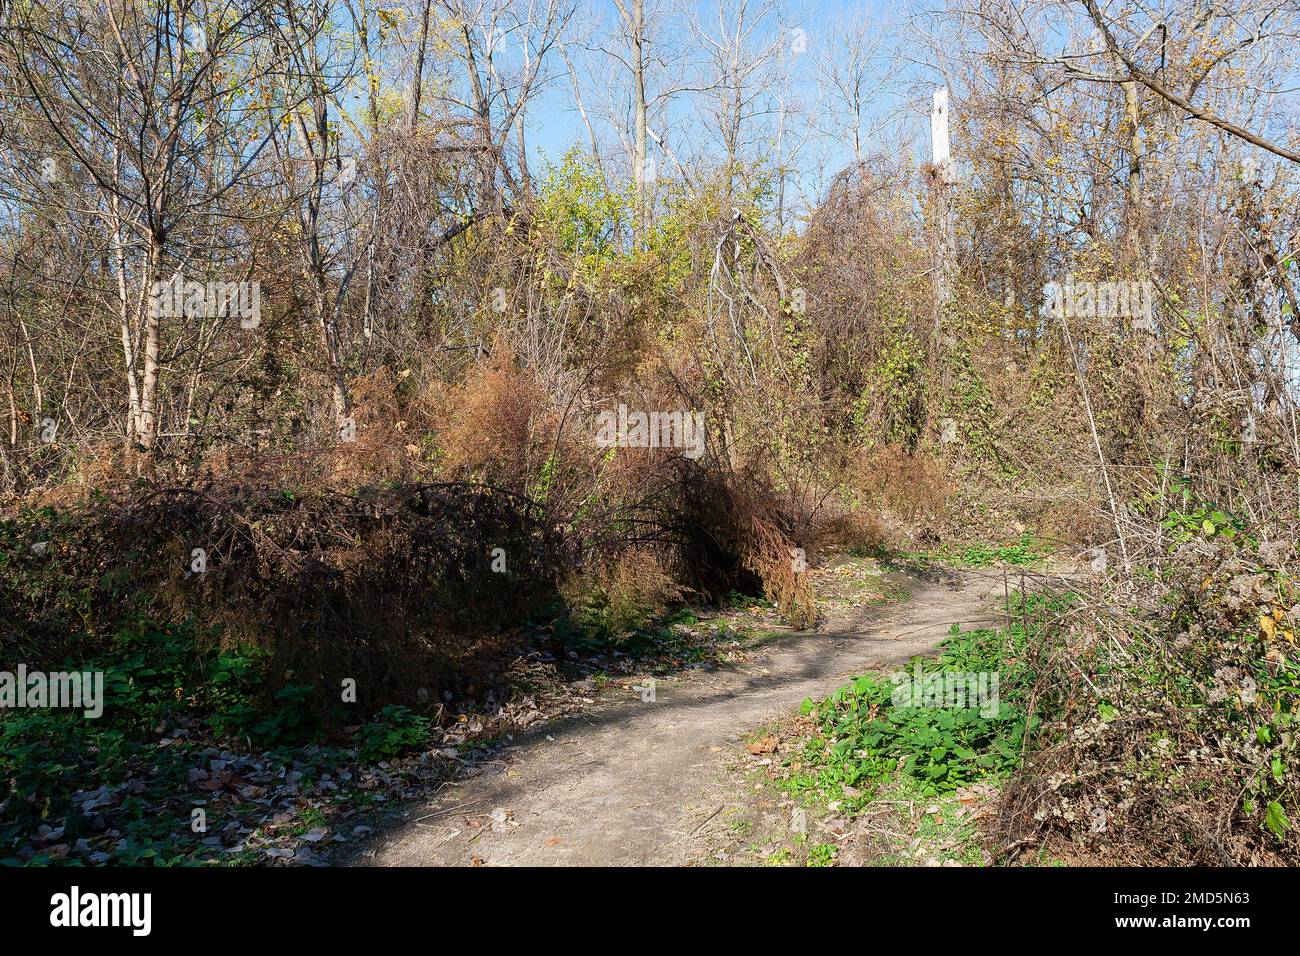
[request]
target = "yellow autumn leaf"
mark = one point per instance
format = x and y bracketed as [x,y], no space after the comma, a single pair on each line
[1267,625]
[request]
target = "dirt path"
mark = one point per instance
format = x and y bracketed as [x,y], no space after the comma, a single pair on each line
[633,782]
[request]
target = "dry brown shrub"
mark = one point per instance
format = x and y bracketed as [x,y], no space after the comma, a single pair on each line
[496,421]
[1073,518]
[390,441]
[916,487]
[622,593]
[102,466]
[392,588]
[857,530]
[735,526]
[767,552]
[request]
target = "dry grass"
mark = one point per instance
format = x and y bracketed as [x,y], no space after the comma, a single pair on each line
[1167,708]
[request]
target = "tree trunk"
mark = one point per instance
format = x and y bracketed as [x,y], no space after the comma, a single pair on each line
[640,119]
[147,432]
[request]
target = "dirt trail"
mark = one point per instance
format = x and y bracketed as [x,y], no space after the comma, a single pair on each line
[632,782]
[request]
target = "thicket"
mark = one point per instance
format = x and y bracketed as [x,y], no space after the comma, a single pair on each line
[442,325]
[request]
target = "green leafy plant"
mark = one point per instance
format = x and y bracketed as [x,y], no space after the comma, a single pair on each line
[1203,522]
[865,736]
[393,730]
[1021,553]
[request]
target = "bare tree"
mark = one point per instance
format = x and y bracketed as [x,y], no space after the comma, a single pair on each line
[129,98]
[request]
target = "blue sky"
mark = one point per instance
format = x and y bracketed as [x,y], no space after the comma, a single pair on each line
[554,124]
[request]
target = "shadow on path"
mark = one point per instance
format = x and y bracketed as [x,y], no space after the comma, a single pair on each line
[626,783]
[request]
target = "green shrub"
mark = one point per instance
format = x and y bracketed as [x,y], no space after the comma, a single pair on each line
[867,732]
[394,729]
